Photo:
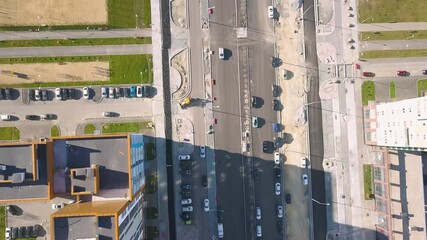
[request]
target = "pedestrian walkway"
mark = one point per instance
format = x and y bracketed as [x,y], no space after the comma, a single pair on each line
[393,45]
[404,26]
[75,34]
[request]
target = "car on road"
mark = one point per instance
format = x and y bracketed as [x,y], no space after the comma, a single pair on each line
[48,116]
[270,12]
[132,91]
[204,181]
[184,157]
[187,171]
[277,188]
[111,92]
[258,231]
[109,114]
[139,91]
[424,71]
[258,213]
[206,205]
[254,101]
[276,127]
[303,162]
[186,201]
[276,158]
[276,142]
[305,179]
[221,54]
[58,94]
[186,186]
[288,198]
[186,194]
[402,73]
[57,205]
[187,209]
[32,117]
[37,94]
[276,104]
[264,146]
[8,233]
[280,226]
[255,122]
[275,90]
[279,211]
[220,230]
[202,151]
[368,74]
[104,92]
[86,93]
[277,172]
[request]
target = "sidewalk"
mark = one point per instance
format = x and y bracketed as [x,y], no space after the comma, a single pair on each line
[404,26]
[393,45]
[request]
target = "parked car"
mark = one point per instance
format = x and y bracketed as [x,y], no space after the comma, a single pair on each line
[279,211]
[280,226]
[8,93]
[204,181]
[288,198]
[44,94]
[277,172]
[144,90]
[2,96]
[5,117]
[118,92]
[277,188]
[111,92]
[104,92]
[276,142]
[64,93]
[275,90]
[258,213]
[206,205]
[57,205]
[276,158]
[36,230]
[276,127]
[186,172]
[37,94]
[28,230]
[186,194]
[32,117]
[185,216]
[258,231]
[186,186]
[14,231]
[86,93]
[368,74]
[187,209]
[264,146]
[270,12]
[202,151]
[13,210]
[109,114]
[48,116]
[184,157]
[30,94]
[21,232]
[132,91]
[139,91]
[71,93]
[276,105]
[221,54]
[186,201]
[255,122]
[303,162]
[424,71]
[8,233]
[254,101]
[402,73]
[58,94]
[305,179]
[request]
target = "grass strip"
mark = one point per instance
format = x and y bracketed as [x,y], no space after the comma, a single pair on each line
[74,42]
[393,35]
[131,127]
[90,128]
[55,131]
[129,13]
[421,86]
[9,133]
[2,221]
[368,92]
[367,181]
[392,90]
[384,11]
[394,53]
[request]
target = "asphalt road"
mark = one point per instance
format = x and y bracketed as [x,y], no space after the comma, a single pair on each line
[117,33]
[393,45]
[76,51]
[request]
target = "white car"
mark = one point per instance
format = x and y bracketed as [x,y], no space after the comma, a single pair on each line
[303,162]
[221,53]
[187,209]
[206,205]
[258,231]
[112,93]
[57,205]
[258,213]
[277,188]
[279,211]
[305,179]
[186,201]
[58,94]
[86,93]
[202,151]
[270,11]
[37,94]
[104,92]
[184,157]
[8,233]
[276,158]
[138,91]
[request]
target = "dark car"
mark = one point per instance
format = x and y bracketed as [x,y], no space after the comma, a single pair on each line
[186,216]
[13,209]
[118,92]
[32,117]
[14,231]
[21,232]
[265,146]
[186,194]
[2,94]
[28,231]
[64,93]
[187,172]
[186,186]
[276,105]
[402,73]
[36,230]
[288,198]
[44,94]
[8,93]
[31,94]
[132,92]
[71,93]
[204,181]
[424,71]
[368,74]
[275,90]
[276,142]
[277,172]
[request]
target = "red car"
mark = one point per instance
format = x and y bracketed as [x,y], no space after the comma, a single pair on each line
[402,73]
[368,74]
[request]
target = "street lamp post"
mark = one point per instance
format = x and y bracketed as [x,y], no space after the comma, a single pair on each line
[324,204]
[140,74]
[136,20]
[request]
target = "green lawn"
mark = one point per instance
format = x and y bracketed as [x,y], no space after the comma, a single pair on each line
[131,127]
[74,42]
[393,35]
[421,86]
[367,181]
[394,53]
[125,69]
[55,131]
[382,11]
[9,133]
[90,128]
[2,221]
[150,151]
[368,92]
[392,90]
[129,13]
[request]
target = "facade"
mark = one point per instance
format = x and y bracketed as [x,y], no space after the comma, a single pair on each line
[101,176]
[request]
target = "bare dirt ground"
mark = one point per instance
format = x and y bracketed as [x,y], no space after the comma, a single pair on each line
[52,12]
[179,13]
[53,72]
